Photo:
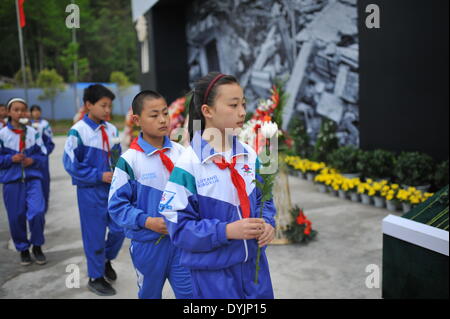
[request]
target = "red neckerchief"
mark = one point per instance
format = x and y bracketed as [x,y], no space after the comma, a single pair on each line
[164,158]
[105,140]
[21,138]
[238,182]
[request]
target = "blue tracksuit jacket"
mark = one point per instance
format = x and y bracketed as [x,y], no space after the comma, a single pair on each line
[86,160]
[45,132]
[138,183]
[22,190]
[198,202]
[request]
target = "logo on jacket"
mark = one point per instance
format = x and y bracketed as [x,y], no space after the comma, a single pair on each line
[166,199]
[246,169]
[207,181]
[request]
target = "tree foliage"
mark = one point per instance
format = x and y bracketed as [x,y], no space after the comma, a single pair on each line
[106,38]
[52,84]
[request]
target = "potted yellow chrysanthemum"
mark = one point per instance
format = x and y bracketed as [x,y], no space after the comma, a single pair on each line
[366,191]
[381,188]
[348,187]
[391,197]
[321,179]
[312,169]
[409,197]
[353,184]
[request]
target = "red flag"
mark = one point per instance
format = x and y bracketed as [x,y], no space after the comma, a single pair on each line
[22,13]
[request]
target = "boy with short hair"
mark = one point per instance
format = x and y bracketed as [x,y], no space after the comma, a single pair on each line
[139,180]
[87,158]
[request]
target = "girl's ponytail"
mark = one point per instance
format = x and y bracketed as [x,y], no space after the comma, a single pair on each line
[193,115]
[205,92]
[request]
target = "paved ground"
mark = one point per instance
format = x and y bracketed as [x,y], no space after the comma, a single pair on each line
[333,266]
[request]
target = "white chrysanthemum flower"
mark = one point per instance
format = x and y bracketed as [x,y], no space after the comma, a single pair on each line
[115,140]
[269,129]
[23,121]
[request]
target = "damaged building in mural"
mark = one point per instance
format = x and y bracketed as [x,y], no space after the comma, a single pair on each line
[310,44]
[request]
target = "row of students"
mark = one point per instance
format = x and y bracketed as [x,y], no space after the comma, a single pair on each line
[24,173]
[192,214]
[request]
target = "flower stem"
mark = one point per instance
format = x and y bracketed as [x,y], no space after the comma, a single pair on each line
[159,239]
[258,254]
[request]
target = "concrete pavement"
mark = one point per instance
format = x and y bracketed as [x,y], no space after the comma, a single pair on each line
[332,266]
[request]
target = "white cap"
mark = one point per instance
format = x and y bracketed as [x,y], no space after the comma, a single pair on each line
[17,99]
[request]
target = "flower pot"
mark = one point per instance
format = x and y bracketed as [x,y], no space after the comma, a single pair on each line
[302,175]
[331,191]
[379,201]
[351,175]
[310,176]
[322,188]
[366,199]
[292,171]
[406,207]
[422,188]
[342,194]
[354,196]
[391,205]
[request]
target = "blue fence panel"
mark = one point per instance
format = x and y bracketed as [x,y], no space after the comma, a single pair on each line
[64,106]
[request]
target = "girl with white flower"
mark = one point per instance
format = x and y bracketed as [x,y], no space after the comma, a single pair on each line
[22,156]
[211,204]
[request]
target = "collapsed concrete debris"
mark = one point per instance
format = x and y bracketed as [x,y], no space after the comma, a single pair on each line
[313,44]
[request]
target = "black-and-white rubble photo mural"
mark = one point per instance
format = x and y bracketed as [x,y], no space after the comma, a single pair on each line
[310,44]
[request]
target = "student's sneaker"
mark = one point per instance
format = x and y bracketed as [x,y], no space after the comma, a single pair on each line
[101,287]
[25,258]
[110,274]
[39,255]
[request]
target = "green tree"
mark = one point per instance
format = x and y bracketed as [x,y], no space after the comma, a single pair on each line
[18,77]
[69,57]
[106,38]
[52,83]
[123,83]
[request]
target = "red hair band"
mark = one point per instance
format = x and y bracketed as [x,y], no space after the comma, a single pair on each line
[210,86]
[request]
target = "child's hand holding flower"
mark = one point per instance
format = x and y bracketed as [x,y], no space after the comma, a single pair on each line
[157,224]
[18,158]
[267,236]
[27,161]
[247,228]
[107,177]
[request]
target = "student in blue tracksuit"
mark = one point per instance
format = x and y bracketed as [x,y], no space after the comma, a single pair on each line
[45,132]
[211,203]
[22,157]
[138,183]
[89,153]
